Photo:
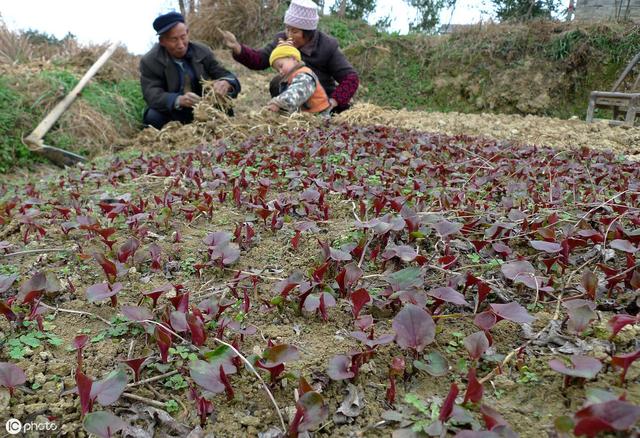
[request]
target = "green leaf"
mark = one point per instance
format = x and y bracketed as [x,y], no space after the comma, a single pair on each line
[405,278]
[219,353]
[30,340]
[99,337]
[171,406]
[54,340]
[16,353]
[417,403]
[436,364]
[564,424]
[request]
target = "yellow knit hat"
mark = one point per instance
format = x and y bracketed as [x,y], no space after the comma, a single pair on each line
[284,51]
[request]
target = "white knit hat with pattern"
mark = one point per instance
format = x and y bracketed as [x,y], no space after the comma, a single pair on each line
[302,14]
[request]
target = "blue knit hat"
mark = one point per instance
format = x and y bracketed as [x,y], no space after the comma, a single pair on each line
[165,22]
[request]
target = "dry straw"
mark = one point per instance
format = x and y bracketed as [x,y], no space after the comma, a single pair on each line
[251,21]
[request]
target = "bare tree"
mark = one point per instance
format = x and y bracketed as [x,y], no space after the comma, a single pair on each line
[343,8]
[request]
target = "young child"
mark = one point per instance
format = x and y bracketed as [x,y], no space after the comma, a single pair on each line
[300,89]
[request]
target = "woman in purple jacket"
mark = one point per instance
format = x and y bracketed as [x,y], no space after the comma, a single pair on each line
[319,51]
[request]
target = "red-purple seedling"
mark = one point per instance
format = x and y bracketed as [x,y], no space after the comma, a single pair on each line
[84,384]
[318,302]
[136,365]
[446,295]
[32,289]
[474,388]
[396,369]
[589,283]
[212,375]
[7,312]
[624,361]
[155,294]
[103,424]
[476,344]
[109,268]
[155,251]
[609,416]
[446,411]
[581,367]
[180,301]
[79,342]
[311,411]
[275,357]
[492,418]
[101,291]
[620,321]
[197,329]
[414,328]
[31,224]
[163,340]
[204,408]
[340,368]
[511,312]
[11,376]
[348,277]
[581,313]
[127,249]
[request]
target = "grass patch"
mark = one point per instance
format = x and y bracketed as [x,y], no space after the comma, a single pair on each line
[13,115]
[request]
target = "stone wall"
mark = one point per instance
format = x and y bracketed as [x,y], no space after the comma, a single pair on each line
[592,10]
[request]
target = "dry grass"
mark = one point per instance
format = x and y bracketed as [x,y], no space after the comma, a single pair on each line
[121,65]
[21,48]
[98,134]
[250,21]
[14,47]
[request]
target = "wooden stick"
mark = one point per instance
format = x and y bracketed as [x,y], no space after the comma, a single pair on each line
[154,403]
[34,140]
[77,312]
[152,379]
[36,251]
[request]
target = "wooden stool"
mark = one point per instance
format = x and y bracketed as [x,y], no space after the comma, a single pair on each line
[624,97]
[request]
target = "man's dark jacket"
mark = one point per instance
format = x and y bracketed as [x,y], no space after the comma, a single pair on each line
[162,82]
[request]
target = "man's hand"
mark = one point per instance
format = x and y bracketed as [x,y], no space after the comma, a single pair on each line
[230,41]
[222,87]
[272,107]
[333,103]
[188,100]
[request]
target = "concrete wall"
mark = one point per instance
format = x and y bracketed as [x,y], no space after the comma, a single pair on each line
[591,10]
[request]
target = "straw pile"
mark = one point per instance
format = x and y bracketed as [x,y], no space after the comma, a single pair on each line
[566,134]
[211,121]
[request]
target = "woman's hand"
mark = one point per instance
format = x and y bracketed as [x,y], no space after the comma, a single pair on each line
[287,42]
[230,41]
[272,107]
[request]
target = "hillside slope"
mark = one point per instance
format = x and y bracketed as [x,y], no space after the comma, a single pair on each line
[543,68]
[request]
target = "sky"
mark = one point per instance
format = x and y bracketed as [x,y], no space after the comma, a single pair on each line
[129,21]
